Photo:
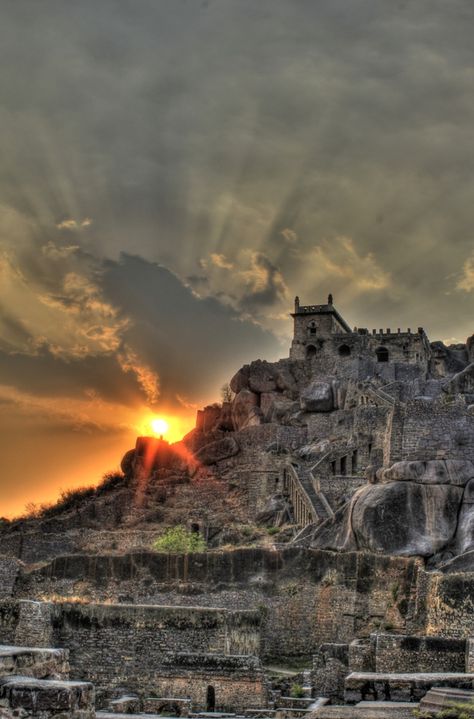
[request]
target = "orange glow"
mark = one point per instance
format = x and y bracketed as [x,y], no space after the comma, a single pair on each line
[172,427]
[159,426]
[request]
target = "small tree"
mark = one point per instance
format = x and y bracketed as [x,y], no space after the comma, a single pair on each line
[226,393]
[180,540]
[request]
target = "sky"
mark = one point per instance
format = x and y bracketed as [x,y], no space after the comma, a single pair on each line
[174,172]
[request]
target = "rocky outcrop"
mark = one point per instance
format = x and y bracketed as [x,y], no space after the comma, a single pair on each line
[405,518]
[245,409]
[446,471]
[419,509]
[217,451]
[462,382]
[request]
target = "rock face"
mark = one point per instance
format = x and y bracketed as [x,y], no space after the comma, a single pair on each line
[465,531]
[217,451]
[406,518]
[317,397]
[446,471]
[462,382]
[419,509]
[245,409]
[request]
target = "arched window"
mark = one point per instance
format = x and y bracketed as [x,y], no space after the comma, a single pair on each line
[310,351]
[344,350]
[382,354]
[312,329]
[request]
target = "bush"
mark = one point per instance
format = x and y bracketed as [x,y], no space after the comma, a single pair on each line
[297,691]
[273,530]
[180,540]
[457,711]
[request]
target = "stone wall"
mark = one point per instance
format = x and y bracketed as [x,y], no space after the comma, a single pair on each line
[9,570]
[437,429]
[120,647]
[419,654]
[306,596]
[445,604]
[213,682]
[9,615]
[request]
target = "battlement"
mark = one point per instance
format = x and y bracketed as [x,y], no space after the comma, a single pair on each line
[321,332]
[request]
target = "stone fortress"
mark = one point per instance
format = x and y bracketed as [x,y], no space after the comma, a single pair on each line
[339,519]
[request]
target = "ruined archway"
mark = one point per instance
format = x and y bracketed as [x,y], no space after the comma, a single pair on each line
[210,699]
[382,354]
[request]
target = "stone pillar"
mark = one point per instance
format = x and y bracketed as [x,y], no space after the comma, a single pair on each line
[35,627]
[470,655]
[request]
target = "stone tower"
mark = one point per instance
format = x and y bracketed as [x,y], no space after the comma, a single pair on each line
[312,325]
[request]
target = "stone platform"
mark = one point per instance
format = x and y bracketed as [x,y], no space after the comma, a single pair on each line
[372,686]
[47,699]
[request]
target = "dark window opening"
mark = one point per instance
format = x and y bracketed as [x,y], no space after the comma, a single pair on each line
[382,354]
[195,528]
[344,351]
[370,448]
[343,465]
[333,467]
[354,461]
[210,699]
[310,351]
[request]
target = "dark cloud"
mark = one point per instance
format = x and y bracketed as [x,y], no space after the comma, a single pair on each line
[193,343]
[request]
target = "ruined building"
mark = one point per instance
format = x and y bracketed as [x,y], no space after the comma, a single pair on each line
[335,491]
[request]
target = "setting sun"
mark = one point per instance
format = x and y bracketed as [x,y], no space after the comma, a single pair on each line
[159,425]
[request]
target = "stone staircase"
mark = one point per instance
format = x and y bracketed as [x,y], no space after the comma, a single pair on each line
[310,506]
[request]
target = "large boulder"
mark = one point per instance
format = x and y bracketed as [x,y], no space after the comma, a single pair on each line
[406,518]
[240,380]
[317,397]
[464,541]
[436,471]
[217,451]
[262,377]
[286,383]
[245,409]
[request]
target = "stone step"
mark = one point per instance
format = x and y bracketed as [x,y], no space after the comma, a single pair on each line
[41,663]
[398,687]
[440,698]
[45,699]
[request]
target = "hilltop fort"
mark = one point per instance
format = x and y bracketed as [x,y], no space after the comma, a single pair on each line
[335,492]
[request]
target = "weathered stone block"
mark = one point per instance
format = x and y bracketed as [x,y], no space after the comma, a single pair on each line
[317,397]
[44,699]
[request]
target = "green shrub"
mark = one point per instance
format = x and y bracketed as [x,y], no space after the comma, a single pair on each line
[273,530]
[297,691]
[180,540]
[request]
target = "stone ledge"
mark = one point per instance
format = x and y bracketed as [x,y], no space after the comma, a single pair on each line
[400,687]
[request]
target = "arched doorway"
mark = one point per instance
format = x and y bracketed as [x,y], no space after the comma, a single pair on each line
[210,699]
[310,351]
[382,354]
